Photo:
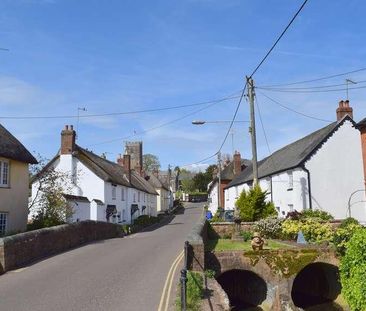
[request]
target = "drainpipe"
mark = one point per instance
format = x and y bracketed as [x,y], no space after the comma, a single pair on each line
[309,187]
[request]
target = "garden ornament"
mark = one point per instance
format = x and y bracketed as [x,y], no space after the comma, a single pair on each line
[257,242]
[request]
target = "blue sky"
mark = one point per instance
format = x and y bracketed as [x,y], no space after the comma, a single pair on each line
[116,56]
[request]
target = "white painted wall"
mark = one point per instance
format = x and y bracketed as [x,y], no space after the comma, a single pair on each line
[336,171]
[81,211]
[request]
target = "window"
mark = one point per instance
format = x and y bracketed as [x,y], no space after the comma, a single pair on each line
[134,196]
[291,207]
[123,215]
[122,194]
[290,180]
[3,223]
[4,173]
[138,196]
[269,185]
[236,192]
[114,192]
[145,197]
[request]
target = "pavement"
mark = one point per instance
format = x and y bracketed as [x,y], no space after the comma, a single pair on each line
[118,274]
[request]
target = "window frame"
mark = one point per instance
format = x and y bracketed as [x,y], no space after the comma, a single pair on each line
[114,192]
[290,176]
[4,162]
[3,223]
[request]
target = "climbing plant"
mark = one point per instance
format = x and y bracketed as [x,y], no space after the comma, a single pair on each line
[353,271]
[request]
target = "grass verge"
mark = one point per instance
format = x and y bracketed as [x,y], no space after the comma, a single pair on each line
[230,245]
[194,292]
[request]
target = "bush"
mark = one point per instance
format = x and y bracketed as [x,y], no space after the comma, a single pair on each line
[314,231]
[217,217]
[321,215]
[348,221]
[270,228]
[353,271]
[253,206]
[343,234]
[210,273]
[43,220]
[247,235]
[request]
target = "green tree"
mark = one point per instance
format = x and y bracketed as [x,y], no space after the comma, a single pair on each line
[200,182]
[252,205]
[48,206]
[150,162]
[187,185]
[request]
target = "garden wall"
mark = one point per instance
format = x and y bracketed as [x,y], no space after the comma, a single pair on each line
[23,248]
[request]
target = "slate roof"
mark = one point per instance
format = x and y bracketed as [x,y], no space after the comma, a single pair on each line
[290,156]
[11,148]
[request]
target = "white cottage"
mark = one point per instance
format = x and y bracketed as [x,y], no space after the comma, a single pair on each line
[99,189]
[323,170]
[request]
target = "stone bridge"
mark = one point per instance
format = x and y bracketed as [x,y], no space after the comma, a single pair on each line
[292,279]
[276,280]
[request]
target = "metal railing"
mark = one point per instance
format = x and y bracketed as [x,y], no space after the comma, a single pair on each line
[183,279]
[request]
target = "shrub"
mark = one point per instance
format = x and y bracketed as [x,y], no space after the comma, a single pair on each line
[210,273]
[348,221]
[269,228]
[253,206]
[314,231]
[353,271]
[343,234]
[316,213]
[247,235]
[226,236]
[218,216]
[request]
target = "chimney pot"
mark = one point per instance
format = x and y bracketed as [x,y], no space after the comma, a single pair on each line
[68,140]
[343,110]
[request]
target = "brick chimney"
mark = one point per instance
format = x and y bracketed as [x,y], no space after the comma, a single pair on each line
[362,127]
[120,160]
[237,163]
[68,140]
[127,165]
[344,109]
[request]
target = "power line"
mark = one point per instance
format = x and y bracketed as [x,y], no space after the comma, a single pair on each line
[254,71]
[313,91]
[232,96]
[156,127]
[279,38]
[293,110]
[306,88]
[316,79]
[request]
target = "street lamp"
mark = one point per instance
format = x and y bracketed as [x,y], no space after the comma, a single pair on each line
[201,122]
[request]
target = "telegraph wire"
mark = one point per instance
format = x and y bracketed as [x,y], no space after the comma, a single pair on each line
[253,72]
[316,79]
[306,88]
[155,127]
[312,91]
[293,110]
[279,38]
[215,101]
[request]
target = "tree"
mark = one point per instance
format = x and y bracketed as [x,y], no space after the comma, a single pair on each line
[48,206]
[177,173]
[200,182]
[252,205]
[150,162]
[187,185]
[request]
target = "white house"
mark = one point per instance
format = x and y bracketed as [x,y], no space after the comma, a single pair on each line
[14,183]
[323,170]
[161,188]
[97,188]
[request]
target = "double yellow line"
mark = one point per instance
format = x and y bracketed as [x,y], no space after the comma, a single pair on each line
[165,296]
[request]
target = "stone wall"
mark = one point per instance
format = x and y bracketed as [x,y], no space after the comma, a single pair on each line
[21,249]
[197,239]
[225,229]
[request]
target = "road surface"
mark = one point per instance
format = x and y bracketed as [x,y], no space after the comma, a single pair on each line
[119,274]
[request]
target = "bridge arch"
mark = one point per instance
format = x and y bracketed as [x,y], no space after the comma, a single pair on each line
[315,284]
[245,289]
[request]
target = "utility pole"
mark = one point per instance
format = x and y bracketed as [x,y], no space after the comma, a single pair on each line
[250,86]
[77,123]
[219,184]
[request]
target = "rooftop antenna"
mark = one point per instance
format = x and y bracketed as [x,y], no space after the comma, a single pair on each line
[77,124]
[348,81]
